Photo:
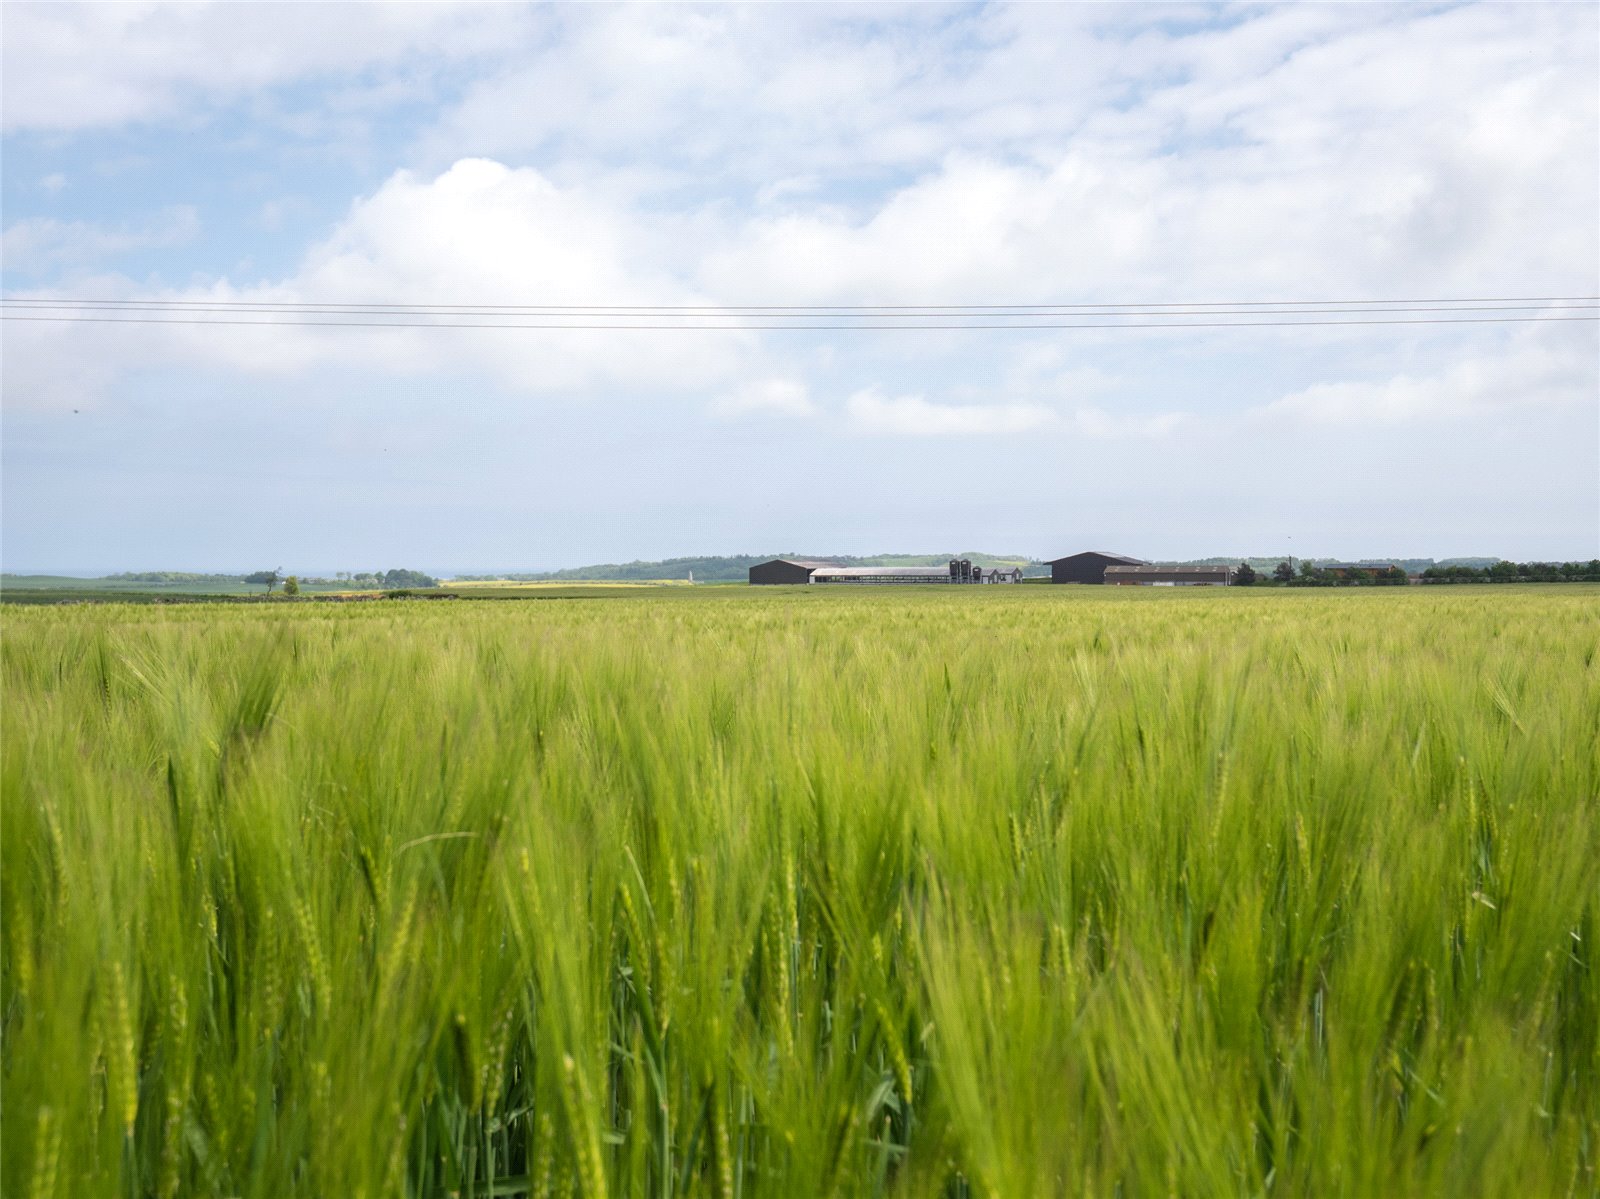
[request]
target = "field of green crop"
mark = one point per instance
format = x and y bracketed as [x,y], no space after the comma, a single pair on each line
[958,892]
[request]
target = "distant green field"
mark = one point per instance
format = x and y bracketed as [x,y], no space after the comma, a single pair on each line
[936,892]
[69,587]
[68,583]
[613,591]
[474,585]
[61,589]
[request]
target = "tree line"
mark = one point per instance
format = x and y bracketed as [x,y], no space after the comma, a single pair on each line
[1517,572]
[388,580]
[1310,574]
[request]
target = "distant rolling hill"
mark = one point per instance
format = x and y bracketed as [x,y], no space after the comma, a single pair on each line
[735,568]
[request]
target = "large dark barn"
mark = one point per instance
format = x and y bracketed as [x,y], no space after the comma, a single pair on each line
[1089,566]
[786,570]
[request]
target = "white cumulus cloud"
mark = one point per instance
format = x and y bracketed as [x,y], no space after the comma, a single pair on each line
[870,411]
[75,66]
[774,396]
[478,233]
[1554,373]
[40,243]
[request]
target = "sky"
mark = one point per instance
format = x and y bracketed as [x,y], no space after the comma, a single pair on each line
[464,154]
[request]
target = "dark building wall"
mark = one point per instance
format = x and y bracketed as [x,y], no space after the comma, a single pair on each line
[1087,567]
[1149,575]
[781,571]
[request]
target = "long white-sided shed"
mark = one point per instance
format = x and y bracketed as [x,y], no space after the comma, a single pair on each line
[870,575]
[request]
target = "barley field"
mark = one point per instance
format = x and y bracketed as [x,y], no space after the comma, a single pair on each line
[951,892]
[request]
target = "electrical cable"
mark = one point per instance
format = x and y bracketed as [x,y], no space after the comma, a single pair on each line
[190,307]
[804,318]
[793,328]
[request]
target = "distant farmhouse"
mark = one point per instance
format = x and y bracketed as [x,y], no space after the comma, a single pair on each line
[805,570]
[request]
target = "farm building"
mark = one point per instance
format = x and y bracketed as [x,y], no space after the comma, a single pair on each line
[807,570]
[959,570]
[860,575]
[1089,566]
[1169,576]
[786,570]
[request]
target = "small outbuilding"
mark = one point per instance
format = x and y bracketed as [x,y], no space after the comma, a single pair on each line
[1089,566]
[1169,576]
[787,570]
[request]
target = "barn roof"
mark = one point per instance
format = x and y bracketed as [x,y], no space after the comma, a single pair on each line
[1144,568]
[857,572]
[1122,558]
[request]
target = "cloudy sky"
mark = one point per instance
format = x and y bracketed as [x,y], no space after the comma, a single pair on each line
[795,155]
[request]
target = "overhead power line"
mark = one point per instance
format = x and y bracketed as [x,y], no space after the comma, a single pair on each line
[823,308]
[802,318]
[792,328]
[1039,311]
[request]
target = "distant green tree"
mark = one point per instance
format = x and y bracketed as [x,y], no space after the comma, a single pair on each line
[267,577]
[1283,572]
[408,578]
[1245,576]
[291,586]
[172,576]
